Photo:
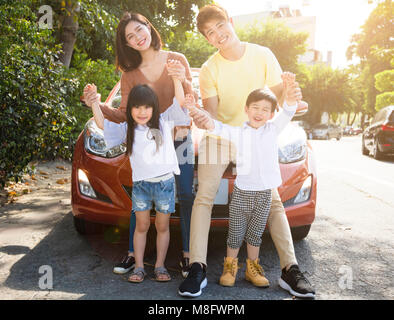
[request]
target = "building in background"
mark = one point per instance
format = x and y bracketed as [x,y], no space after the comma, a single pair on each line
[293,18]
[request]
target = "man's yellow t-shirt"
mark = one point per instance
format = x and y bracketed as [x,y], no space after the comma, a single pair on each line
[233,81]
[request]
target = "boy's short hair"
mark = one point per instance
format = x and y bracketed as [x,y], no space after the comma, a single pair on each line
[208,13]
[262,94]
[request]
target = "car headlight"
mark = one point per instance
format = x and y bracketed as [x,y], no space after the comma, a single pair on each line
[95,143]
[84,185]
[292,152]
[305,191]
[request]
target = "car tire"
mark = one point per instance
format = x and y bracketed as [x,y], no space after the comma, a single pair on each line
[364,150]
[84,227]
[376,152]
[327,137]
[338,138]
[300,233]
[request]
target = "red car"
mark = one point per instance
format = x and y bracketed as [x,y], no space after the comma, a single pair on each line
[101,179]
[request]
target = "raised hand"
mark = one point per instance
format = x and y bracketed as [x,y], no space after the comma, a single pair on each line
[201,118]
[176,69]
[292,90]
[90,95]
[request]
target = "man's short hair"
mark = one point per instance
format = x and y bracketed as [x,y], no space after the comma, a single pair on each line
[262,94]
[208,13]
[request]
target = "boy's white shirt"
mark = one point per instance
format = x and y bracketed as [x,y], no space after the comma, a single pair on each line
[145,162]
[257,150]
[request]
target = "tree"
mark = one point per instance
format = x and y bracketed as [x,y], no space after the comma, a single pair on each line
[69,29]
[283,42]
[376,36]
[355,95]
[326,90]
[36,120]
[195,47]
[91,24]
[384,82]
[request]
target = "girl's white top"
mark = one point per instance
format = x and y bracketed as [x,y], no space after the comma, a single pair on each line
[145,161]
[257,150]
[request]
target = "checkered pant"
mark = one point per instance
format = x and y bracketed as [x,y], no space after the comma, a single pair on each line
[249,211]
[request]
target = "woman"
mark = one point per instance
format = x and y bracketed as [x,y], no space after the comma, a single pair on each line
[141,60]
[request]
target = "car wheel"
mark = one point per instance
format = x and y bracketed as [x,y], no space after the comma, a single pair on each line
[338,138]
[84,227]
[364,150]
[327,137]
[376,152]
[299,233]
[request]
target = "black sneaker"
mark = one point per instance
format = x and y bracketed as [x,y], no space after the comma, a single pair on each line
[184,263]
[125,266]
[295,282]
[196,281]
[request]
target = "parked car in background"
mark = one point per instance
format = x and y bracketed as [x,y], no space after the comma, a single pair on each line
[378,137]
[347,131]
[351,131]
[101,179]
[326,131]
[355,131]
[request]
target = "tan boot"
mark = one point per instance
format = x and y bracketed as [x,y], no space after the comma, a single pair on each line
[230,269]
[255,273]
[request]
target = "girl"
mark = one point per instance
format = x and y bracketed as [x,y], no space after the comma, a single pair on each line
[154,162]
[142,61]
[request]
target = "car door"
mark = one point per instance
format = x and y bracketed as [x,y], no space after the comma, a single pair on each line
[367,135]
[372,130]
[381,117]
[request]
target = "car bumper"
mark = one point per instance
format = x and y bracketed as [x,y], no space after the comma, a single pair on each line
[111,180]
[386,142]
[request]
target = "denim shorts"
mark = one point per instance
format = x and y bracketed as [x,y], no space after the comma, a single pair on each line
[162,194]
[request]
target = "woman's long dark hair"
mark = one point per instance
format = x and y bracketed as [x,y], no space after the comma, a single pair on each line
[143,95]
[127,58]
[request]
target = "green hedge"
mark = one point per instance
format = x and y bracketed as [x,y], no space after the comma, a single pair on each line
[99,72]
[36,120]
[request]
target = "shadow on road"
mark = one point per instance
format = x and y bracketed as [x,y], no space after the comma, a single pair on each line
[82,265]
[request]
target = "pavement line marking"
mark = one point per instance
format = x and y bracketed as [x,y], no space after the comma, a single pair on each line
[384,182]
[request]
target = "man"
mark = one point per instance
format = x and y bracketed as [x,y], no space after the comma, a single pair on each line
[226,79]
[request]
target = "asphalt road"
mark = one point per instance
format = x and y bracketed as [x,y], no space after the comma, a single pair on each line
[347,255]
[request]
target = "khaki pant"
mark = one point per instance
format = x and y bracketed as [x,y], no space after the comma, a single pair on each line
[214,155]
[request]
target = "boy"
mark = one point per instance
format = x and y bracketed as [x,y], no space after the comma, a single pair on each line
[257,173]
[226,79]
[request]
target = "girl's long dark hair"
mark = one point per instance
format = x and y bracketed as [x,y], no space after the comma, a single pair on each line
[143,95]
[127,58]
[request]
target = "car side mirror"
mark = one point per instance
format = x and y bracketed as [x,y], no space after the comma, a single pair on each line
[302,108]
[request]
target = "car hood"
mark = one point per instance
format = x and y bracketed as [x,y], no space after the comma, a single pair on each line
[292,133]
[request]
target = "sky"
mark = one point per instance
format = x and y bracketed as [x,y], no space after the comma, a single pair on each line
[336,20]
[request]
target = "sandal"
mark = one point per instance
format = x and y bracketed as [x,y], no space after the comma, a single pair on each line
[160,272]
[140,273]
